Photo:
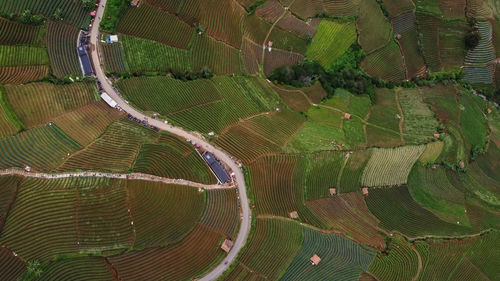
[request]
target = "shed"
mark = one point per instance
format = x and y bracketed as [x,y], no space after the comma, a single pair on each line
[347,115]
[365,191]
[112,39]
[294,214]
[227,245]
[111,102]
[333,191]
[315,260]
[436,135]
[134,3]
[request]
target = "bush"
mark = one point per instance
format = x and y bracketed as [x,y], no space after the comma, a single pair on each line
[472,39]
[114,11]
[88,4]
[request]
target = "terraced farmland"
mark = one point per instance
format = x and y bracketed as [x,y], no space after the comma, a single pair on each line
[39,103]
[400,264]
[80,268]
[15,33]
[114,60]
[373,28]
[341,259]
[61,46]
[42,148]
[331,41]
[22,55]
[385,63]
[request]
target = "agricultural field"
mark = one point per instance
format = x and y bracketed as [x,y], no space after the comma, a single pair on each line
[332,39]
[374,30]
[390,166]
[38,103]
[61,45]
[373,154]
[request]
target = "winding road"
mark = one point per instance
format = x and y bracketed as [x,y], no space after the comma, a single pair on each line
[221,155]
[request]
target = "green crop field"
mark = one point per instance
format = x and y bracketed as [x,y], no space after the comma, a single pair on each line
[405,215]
[331,40]
[270,251]
[42,148]
[348,213]
[152,23]
[390,166]
[374,29]
[400,264]
[341,259]
[39,103]
[141,55]
[367,132]
[61,46]
[73,13]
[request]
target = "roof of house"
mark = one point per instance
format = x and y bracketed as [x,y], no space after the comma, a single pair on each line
[365,190]
[315,259]
[85,61]
[333,190]
[294,215]
[227,245]
[219,170]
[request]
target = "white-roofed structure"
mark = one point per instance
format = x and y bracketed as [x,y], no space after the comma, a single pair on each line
[108,100]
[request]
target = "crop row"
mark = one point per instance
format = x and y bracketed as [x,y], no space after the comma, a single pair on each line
[401,263]
[16,75]
[61,40]
[223,219]
[390,166]
[38,103]
[23,55]
[114,60]
[13,33]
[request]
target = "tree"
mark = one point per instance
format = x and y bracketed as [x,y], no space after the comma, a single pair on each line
[88,4]
[200,29]
[57,15]
[472,39]
[26,16]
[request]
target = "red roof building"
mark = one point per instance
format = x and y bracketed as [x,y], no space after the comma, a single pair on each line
[347,115]
[315,260]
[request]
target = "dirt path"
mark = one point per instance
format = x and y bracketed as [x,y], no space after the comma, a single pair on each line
[131,176]
[402,119]
[339,177]
[271,29]
[419,269]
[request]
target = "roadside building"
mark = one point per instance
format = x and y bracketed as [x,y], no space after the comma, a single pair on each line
[216,167]
[85,64]
[112,39]
[111,102]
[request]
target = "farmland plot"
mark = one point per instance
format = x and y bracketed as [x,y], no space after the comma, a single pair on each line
[270,250]
[12,267]
[61,44]
[39,103]
[8,190]
[341,259]
[219,57]
[331,41]
[419,122]
[162,214]
[22,55]
[9,123]
[430,40]
[42,148]
[373,27]
[16,75]
[472,121]
[79,268]
[400,264]
[385,63]
[398,7]
[278,58]
[453,8]
[87,123]
[222,20]
[322,173]
[451,45]
[337,8]
[404,25]
[390,166]
[141,55]
[114,61]
[348,213]
[353,171]
[251,56]
[15,33]
[476,68]
[406,216]
[152,23]
[72,12]
[185,260]
[287,41]
[222,212]
[114,151]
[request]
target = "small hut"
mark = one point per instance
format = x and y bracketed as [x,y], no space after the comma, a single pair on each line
[315,260]
[333,191]
[294,215]
[436,135]
[347,116]
[365,191]
[227,245]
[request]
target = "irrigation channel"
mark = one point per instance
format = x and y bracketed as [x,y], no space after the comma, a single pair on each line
[228,160]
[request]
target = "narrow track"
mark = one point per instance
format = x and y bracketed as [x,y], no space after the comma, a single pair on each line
[227,159]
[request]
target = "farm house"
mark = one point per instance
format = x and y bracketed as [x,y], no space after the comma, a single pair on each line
[227,245]
[315,260]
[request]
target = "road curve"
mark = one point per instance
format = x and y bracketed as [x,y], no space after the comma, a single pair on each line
[221,155]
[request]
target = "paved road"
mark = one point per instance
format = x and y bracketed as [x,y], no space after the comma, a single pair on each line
[221,155]
[132,176]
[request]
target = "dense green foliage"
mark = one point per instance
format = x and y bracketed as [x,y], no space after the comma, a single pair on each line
[114,11]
